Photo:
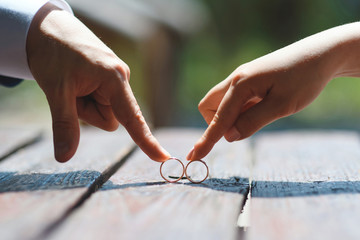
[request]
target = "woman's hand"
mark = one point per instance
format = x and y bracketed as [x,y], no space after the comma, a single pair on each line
[276,85]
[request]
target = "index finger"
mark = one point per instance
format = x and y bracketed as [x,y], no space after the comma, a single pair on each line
[229,109]
[128,113]
[210,103]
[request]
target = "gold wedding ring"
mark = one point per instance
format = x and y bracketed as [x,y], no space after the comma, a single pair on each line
[174,179]
[168,179]
[189,177]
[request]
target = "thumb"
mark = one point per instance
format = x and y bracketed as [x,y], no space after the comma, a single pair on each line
[65,126]
[257,117]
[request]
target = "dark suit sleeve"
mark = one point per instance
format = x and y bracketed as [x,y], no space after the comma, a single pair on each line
[9,82]
[15,20]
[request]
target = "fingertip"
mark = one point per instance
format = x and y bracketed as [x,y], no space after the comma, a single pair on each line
[195,155]
[66,142]
[142,136]
[165,155]
[202,147]
[190,154]
[161,157]
[157,153]
[63,152]
[199,151]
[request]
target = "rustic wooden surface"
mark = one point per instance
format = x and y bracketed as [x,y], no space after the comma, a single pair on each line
[136,203]
[37,193]
[306,186]
[15,139]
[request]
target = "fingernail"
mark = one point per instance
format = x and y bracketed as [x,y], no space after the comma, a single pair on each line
[61,149]
[233,135]
[188,157]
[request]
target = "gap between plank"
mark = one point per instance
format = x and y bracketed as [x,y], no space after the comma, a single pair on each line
[243,221]
[23,145]
[105,175]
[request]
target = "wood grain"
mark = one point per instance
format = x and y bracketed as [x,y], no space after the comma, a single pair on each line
[136,203]
[14,139]
[306,185]
[36,190]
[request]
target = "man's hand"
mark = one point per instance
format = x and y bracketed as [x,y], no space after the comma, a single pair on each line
[82,78]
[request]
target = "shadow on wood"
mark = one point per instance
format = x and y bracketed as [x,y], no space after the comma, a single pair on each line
[269,189]
[13,182]
[232,184]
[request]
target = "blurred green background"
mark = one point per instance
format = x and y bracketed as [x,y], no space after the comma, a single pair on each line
[238,31]
[243,30]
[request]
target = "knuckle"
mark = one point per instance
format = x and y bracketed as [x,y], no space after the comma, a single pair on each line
[238,82]
[63,124]
[201,105]
[123,70]
[239,74]
[114,68]
[235,81]
[216,119]
[136,116]
[127,71]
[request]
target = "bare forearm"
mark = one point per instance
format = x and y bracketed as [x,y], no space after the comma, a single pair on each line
[347,50]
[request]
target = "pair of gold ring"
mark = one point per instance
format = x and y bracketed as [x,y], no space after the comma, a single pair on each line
[184,171]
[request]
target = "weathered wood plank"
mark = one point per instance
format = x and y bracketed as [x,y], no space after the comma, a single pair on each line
[306,185]
[36,191]
[136,203]
[12,140]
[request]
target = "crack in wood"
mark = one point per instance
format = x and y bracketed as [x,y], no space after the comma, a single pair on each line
[99,181]
[244,216]
[233,184]
[37,138]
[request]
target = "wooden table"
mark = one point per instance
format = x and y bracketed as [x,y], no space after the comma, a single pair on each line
[277,185]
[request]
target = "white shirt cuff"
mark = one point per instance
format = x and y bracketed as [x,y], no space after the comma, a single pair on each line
[15,19]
